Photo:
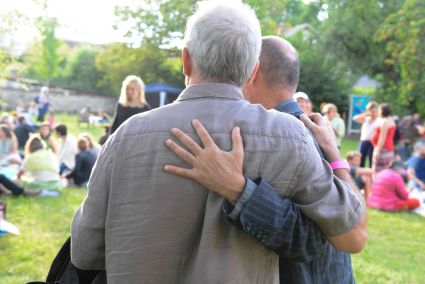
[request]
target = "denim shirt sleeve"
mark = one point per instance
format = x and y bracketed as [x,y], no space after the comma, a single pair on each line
[276,222]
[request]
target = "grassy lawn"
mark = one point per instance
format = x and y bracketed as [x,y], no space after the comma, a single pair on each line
[394,253]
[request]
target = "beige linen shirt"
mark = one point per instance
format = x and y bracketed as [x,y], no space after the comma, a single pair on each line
[144,225]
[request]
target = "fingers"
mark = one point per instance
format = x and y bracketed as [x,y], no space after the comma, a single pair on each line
[307,121]
[179,171]
[203,134]
[237,144]
[316,117]
[181,152]
[186,140]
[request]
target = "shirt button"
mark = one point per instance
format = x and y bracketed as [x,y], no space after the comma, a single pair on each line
[259,235]
[248,227]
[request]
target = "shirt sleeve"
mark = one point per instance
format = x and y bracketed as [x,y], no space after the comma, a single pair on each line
[333,204]
[412,162]
[341,127]
[88,225]
[239,206]
[277,222]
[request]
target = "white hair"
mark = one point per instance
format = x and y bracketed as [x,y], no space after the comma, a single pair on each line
[223,39]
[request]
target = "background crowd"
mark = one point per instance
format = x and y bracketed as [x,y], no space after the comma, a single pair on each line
[42,158]
[389,165]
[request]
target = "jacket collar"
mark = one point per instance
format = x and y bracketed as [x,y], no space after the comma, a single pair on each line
[211,90]
[290,106]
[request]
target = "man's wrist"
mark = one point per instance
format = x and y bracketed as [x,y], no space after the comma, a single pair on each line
[235,192]
[333,155]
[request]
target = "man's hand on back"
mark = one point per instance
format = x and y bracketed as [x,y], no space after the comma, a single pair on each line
[324,134]
[217,170]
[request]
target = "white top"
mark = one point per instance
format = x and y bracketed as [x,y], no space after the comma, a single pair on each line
[368,127]
[67,151]
[339,125]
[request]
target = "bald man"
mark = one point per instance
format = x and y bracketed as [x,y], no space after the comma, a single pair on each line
[305,256]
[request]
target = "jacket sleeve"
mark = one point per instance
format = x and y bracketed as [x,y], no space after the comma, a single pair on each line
[88,225]
[277,222]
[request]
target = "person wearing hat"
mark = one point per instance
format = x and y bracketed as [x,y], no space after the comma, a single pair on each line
[303,100]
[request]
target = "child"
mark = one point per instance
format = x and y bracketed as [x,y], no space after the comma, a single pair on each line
[389,192]
[361,176]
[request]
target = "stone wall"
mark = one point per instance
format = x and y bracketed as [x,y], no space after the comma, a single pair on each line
[60,101]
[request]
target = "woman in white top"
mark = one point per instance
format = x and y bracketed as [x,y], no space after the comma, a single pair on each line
[369,121]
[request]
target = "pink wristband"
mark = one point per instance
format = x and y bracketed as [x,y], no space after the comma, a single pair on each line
[342,164]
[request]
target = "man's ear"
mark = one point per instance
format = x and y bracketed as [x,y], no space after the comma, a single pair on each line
[187,62]
[255,73]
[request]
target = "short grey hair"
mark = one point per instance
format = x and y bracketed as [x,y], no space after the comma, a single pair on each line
[418,145]
[224,41]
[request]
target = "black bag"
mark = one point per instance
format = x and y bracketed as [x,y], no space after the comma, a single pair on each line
[62,271]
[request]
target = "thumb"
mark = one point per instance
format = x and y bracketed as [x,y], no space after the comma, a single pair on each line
[307,121]
[237,144]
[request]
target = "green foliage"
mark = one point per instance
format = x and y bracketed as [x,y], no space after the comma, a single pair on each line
[349,32]
[47,60]
[403,32]
[322,78]
[149,62]
[157,22]
[80,71]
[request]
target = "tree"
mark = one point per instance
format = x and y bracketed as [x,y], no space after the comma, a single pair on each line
[322,78]
[47,63]
[80,72]
[149,62]
[9,23]
[403,33]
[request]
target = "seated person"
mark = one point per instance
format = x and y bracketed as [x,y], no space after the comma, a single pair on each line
[84,162]
[416,167]
[14,188]
[23,131]
[389,192]
[92,146]
[67,149]
[106,118]
[8,147]
[40,168]
[403,150]
[45,134]
[362,176]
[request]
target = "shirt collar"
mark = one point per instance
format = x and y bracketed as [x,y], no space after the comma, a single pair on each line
[290,106]
[211,90]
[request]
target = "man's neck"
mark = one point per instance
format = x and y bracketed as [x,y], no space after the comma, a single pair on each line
[281,96]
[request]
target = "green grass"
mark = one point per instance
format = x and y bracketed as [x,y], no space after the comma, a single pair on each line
[394,252]
[44,224]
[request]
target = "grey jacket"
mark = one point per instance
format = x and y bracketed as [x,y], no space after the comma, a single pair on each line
[146,226]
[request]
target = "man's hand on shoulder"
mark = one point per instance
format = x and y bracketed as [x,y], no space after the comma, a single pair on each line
[217,170]
[324,134]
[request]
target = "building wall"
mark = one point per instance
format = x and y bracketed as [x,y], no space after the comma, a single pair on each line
[59,101]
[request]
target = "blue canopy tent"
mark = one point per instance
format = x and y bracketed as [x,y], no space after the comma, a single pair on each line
[159,94]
